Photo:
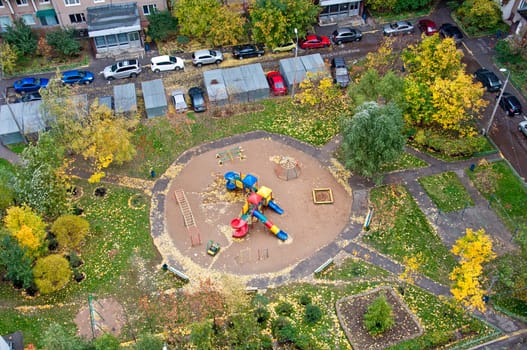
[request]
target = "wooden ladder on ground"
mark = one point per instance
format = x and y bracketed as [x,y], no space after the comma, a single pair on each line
[188,217]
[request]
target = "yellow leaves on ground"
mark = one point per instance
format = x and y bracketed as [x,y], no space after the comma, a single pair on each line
[411,267]
[317,89]
[474,249]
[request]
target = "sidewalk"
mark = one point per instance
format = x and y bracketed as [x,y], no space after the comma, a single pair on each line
[9,155]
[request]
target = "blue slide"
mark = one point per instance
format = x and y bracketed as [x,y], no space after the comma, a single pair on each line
[275,207]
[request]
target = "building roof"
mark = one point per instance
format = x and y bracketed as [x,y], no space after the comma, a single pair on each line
[23,118]
[125,98]
[13,341]
[112,19]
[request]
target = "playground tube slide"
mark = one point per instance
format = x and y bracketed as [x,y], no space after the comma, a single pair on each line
[275,207]
[241,227]
[273,228]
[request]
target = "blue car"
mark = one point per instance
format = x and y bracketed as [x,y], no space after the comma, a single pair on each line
[77,76]
[30,84]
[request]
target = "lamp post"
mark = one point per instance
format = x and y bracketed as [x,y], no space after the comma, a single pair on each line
[498,100]
[296,56]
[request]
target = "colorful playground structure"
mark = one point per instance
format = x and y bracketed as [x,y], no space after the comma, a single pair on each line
[257,199]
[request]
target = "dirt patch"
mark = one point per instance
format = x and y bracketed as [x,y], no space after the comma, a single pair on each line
[108,315]
[351,310]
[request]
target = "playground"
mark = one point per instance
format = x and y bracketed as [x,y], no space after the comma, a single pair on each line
[200,208]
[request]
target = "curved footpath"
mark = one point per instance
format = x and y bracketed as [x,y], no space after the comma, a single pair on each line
[449,226]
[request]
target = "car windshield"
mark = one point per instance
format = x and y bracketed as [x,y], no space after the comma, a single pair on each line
[279,85]
[212,52]
[173,59]
[341,71]
[393,25]
[114,68]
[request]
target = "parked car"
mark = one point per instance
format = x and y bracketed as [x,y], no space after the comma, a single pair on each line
[396,28]
[197,99]
[315,41]
[340,73]
[122,69]
[276,83]
[30,84]
[510,104]
[448,30]
[488,79]
[178,98]
[287,46]
[346,35]
[32,96]
[428,27]
[77,76]
[247,50]
[201,57]
[166,62]
[523,127]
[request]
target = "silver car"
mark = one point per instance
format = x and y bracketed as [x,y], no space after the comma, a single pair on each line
[523,127]
[396,28]
[122,69]
[180,103]
[201,57]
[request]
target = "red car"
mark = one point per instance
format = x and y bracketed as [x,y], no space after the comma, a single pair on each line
[276,83]
[314,42]
[428,27]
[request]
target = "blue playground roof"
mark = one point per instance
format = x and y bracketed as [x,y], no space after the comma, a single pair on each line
[249,180]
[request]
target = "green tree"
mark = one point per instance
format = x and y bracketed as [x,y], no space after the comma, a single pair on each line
[480,15]
[64,42]
[373,87]
[7,192]
[20,37]
[204,20]
[40,181]
[52,273]
[70,230]
[148,342]
[161,25]
[107,341]
[56,337]
[313,314]
[201,335]
[273,21]
[15,262]
[379,317]
[8,58]
[372,137]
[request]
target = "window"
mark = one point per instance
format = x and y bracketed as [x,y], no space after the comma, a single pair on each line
[72,2]
[96,1]
[1,3]
[77,18]
[29,19]
[148,9]
[43,1]
[523,5]
[5,21]
[21,2]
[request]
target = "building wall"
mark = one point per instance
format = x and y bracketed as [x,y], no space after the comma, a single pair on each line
[70,13]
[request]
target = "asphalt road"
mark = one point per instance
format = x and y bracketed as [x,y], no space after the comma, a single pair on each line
[478,52]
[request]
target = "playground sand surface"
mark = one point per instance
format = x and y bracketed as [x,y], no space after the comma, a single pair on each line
[310,226]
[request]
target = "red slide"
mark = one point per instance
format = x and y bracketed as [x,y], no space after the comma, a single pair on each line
[241,226]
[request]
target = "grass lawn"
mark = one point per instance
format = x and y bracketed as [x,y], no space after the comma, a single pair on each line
[352,268]
[399,229]
[405,161]
[446,191]
[507,195]
[440,320]
[159,141]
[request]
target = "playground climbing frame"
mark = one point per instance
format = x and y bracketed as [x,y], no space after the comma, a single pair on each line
[188,217]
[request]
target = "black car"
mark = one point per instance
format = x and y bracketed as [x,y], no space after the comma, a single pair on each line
[346,35]
[197,100]
[339,70]
[248,50]
[488,79]
[510,104]
[32,96]
[448,30]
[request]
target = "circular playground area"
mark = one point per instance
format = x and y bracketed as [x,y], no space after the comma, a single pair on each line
[199,210]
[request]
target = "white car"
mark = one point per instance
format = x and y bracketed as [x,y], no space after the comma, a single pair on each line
[178,98]
[166,62]
[201,57]
[122,69]
[523,127]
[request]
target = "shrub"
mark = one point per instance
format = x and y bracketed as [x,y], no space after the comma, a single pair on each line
[64,42]
[148,342]
[480,15]
[261,314]
[313,314]
[284,309]
[107,341]
[304,299]
[51,273]
[379,318]
[283,330]
[70,230]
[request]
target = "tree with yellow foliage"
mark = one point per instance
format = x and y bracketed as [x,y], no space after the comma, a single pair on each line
[28,228]
[438,92]
[52,273]
[8,58]
[318,90]
[105,139]
[474,249]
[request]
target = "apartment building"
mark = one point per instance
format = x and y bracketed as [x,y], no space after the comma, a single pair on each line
[112,25]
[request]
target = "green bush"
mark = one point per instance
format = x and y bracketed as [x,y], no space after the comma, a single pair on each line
[148,342]
[106,341]
[262,314]
[284,309]
[304,299]
[283,330]
[313,314]
[379,317]
[52,273]
[70,230]
[63,41]
[479,15]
